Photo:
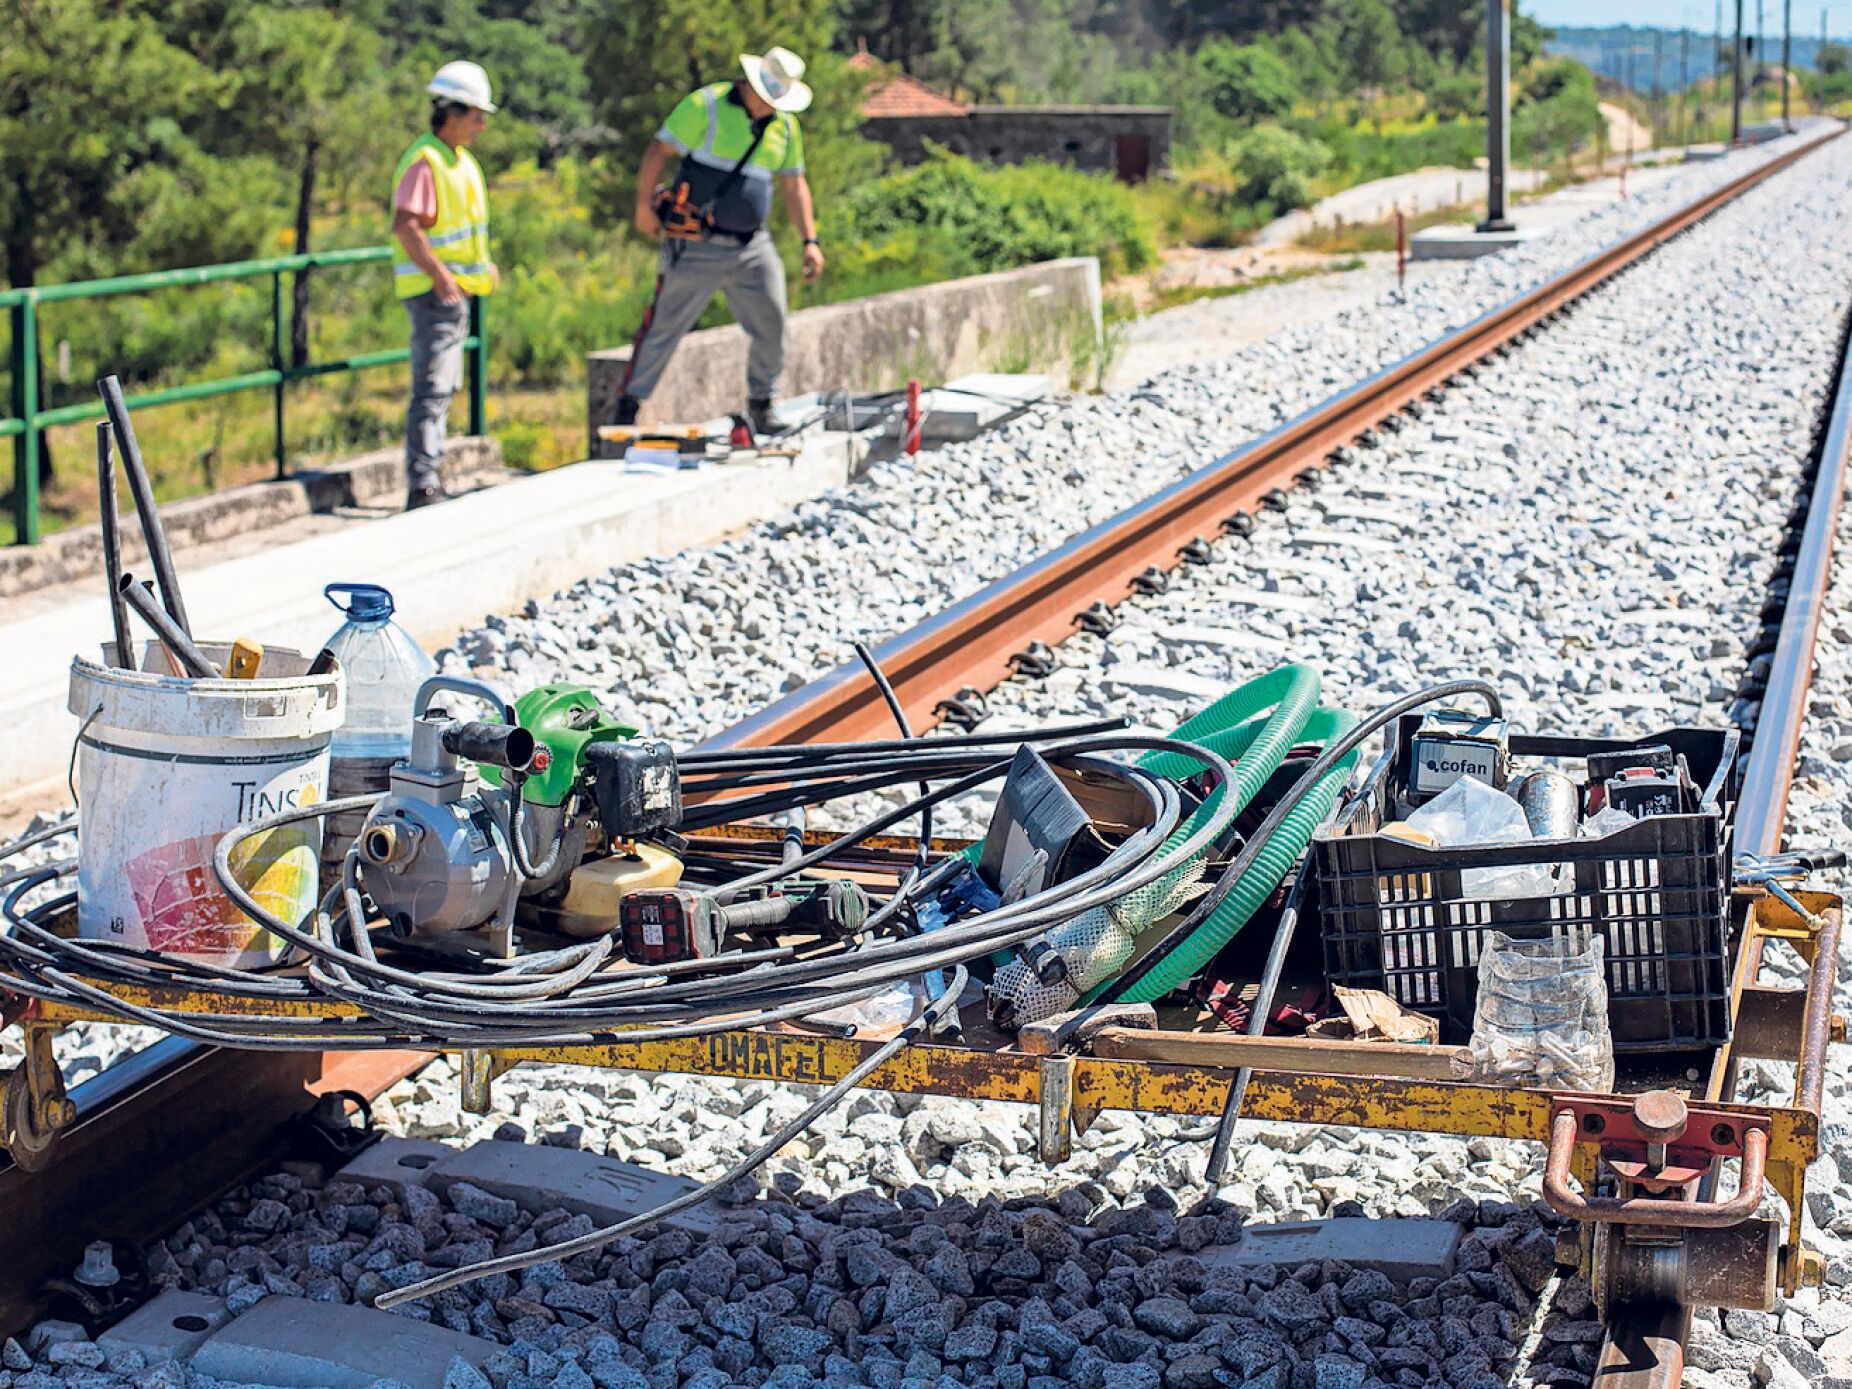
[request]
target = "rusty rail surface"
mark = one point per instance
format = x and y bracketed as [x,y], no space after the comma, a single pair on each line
[142,1133]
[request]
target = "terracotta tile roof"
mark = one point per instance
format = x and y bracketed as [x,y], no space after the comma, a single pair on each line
[893,93]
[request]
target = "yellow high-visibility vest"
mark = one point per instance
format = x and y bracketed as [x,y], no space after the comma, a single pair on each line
[460,236]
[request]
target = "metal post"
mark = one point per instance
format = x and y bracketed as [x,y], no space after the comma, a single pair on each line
[1736,80]
[1658,108]
[1497,114]
[1401,249]
[276,365]
[25,409]
[478,368]
[1787,39]
[1684,85]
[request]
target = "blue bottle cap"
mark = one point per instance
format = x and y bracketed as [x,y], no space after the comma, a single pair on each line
[367,602]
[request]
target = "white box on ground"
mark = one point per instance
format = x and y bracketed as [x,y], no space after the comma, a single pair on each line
[1465,242]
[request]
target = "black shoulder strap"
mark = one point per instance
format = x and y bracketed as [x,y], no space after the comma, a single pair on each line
[725,185]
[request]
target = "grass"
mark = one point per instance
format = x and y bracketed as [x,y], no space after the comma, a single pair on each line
[1120,309]
[1360,238]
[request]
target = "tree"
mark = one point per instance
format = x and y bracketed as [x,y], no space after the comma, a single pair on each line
[1246,82]
[308,88]
[1369,45]
[1273,165]
[643,58]
[1832,58]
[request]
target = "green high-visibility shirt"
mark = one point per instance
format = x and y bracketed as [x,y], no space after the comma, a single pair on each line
[710,129]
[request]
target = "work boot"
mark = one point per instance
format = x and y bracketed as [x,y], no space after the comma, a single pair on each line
[425,496]
[627,407]
[765,423]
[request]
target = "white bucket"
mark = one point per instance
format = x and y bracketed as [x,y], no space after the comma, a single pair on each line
[165,766]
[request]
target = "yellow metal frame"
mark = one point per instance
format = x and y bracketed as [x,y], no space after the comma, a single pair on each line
[1071,1089]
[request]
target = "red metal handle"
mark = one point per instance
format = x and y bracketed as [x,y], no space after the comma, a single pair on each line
[1640,1210]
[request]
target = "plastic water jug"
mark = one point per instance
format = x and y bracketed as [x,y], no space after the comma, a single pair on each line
[384,669]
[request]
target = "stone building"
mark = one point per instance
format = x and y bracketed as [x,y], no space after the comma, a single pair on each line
[903,113]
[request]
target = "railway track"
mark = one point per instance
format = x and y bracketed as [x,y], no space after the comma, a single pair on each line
[142,1129]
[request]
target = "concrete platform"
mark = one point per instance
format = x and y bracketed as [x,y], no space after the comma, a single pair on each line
[1464,242]
[447,566]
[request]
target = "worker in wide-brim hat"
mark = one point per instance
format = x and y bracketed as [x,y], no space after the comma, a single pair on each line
[440,218]
[736,139]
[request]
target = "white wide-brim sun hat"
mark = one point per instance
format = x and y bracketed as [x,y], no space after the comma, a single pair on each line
[775,76]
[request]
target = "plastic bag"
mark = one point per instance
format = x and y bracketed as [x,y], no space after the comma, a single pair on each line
[1542,1014]
[1604,821]
[881,1014]
[1471,813]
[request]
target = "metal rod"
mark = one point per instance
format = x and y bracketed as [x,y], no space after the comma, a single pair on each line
[1736,80]
[26,406]
[276,363]
[1816,1027]
[110,388]
[112,547]
[192,660]
[1787,39]
[478,366]
[1257,1021]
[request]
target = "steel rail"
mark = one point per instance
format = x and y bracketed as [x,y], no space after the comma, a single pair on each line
[1644,1346]
[194,1099]
[971,643]
[1762,808]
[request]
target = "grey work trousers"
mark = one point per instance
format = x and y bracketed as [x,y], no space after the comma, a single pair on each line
[753,280]
[438,331]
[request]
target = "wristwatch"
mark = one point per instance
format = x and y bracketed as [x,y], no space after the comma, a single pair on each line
[812,241]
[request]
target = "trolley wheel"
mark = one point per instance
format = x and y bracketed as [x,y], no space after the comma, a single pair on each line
[28,1143]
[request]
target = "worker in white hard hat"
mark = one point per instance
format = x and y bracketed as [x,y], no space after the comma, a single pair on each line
[736,140]
[440,218]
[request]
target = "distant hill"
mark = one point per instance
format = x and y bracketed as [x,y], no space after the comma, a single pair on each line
[1606,51]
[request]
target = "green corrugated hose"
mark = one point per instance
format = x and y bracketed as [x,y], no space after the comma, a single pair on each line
[1270,865]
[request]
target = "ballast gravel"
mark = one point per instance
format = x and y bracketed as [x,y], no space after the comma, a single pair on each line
[1589,522]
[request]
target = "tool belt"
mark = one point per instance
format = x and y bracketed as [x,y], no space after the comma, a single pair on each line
[683,220]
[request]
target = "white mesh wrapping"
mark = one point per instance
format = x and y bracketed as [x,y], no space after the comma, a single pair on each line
[1094,945]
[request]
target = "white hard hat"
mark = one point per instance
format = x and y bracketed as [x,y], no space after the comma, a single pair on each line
[464,83]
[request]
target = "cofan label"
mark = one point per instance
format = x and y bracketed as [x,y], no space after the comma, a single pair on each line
[1439,763]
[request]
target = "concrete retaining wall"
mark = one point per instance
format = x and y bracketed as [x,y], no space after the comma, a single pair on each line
[371,479]
[1013,320]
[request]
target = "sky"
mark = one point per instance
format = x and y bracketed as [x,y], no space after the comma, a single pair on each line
[1697,14]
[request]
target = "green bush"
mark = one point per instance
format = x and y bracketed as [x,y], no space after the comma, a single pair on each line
[996,218]
[1275,166]
[1247,82]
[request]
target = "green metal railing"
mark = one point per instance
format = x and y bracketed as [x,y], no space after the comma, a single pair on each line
[29,422]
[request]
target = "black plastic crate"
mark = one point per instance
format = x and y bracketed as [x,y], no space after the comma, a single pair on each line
[1394,917]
